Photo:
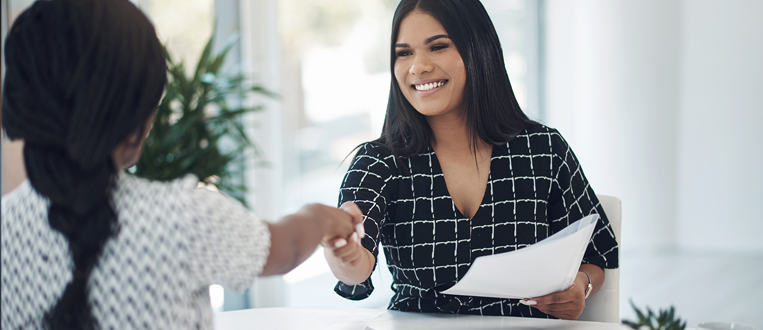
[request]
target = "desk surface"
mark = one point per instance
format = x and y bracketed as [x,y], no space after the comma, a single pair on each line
[380,319]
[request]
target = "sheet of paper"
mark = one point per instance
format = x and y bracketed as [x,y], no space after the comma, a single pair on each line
[537,270]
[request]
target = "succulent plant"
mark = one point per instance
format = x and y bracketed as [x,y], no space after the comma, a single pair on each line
[664,320]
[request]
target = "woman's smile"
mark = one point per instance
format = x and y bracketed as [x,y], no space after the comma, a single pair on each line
[429,86]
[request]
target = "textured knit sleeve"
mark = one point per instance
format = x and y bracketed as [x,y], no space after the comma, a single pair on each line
[228,244]
[572,198]
[367,183]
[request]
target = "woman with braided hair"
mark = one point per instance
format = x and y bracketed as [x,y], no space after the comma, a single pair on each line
[86,245]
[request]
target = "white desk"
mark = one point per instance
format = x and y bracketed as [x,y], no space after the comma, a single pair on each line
[380,319]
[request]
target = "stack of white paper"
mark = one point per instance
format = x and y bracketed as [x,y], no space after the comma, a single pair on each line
[542,268]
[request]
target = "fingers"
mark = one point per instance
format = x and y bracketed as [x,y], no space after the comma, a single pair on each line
[567,311]
[343,231]
[566,304]
[334,243]
[552,299]
[340,242]
[570,295]
[346,251]
[357,216]
[340,223]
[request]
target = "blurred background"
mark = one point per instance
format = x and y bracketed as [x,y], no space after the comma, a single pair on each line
[662,101]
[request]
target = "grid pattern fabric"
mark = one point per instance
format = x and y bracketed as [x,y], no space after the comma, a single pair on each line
[174,241]
[535,189]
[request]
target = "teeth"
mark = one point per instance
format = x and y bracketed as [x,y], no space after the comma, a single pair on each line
[429,86]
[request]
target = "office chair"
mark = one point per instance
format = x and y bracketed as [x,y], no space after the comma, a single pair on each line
[604,306]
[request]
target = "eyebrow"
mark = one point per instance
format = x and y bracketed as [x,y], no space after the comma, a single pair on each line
[433,38]
[426,42]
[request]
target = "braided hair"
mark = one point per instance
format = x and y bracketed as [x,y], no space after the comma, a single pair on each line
[82,76]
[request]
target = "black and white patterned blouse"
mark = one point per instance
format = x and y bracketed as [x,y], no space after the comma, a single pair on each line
[535,188]
[174,241]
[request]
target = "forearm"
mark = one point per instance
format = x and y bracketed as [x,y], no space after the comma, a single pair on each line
[351,273]
[596,274]
[292,240]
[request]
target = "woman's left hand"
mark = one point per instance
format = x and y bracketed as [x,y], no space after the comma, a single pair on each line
[566,304]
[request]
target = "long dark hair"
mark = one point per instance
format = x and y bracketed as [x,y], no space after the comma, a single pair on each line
[82,75]
[491,109]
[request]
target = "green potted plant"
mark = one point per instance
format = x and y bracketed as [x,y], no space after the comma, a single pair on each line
[663,320]
[197,129]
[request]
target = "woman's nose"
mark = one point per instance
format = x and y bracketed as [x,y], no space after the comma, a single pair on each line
[421,64]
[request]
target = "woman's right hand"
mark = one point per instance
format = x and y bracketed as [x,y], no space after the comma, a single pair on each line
[350,262]
[348,251]
[340,234]
[336,223]
[338,240]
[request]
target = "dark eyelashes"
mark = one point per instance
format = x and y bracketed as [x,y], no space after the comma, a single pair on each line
[406,52]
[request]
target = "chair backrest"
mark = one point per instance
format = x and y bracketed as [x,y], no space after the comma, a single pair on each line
[604,306]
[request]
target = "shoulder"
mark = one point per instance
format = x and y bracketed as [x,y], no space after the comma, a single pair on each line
[24,190]
[135,194]
[538,139]
[175,199]
[540,132]
[212,204]
[370,149]
[23,203]
[128,183]
[371,155]
[549,136]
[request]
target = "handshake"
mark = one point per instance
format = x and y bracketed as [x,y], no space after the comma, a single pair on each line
[342,246]
[339,230]
[350,262]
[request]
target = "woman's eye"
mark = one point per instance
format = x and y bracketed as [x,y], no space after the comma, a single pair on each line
[438,47]
[403,53]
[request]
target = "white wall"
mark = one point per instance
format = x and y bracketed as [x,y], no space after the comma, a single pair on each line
[663,103]
[612,91]
[720,140]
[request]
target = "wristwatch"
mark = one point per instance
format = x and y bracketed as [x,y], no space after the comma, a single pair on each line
[589,287]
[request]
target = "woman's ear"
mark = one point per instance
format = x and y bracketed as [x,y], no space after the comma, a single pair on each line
[127,153]
[149,124]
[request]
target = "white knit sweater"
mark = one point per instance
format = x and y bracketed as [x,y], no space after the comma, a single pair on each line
[174,241]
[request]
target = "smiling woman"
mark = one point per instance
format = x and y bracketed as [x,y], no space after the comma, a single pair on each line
[483,91]
[428,63]
[460,172]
